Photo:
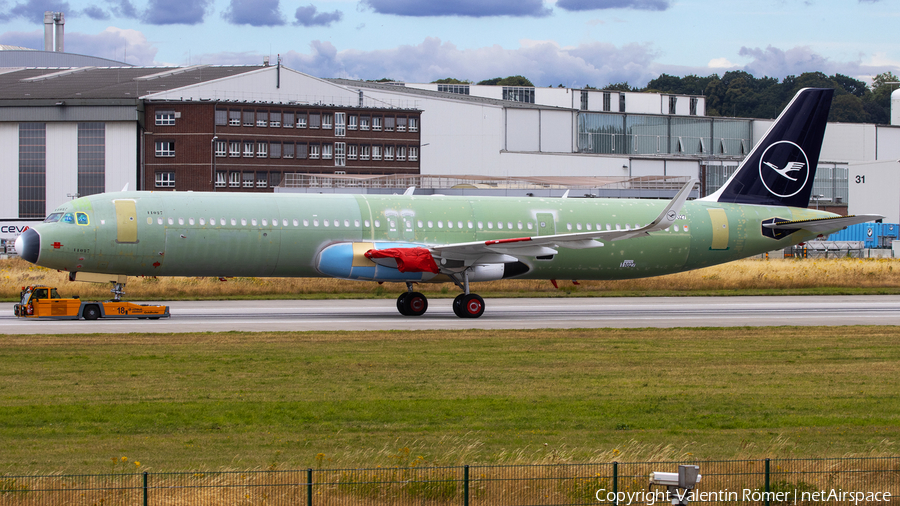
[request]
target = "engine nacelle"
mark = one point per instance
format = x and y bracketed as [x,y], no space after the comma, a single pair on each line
[347,260]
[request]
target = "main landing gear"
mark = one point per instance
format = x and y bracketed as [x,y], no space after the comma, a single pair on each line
[465,305]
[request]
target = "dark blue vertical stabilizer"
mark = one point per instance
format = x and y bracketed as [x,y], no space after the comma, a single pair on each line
[781,168]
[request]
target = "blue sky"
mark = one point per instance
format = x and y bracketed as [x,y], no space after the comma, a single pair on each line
[569,42]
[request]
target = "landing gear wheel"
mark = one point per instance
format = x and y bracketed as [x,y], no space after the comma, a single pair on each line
[458,306]
[412,304]
[401,303]
[416,304]
[472,306]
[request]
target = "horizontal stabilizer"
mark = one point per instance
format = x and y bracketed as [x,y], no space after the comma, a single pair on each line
[823,225]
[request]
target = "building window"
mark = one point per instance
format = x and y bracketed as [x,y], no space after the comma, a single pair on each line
[274,179]
[262,119]
[165,148]
[234,149]
[352,122]
[275,119]
[340,154]
[165,117]
[364,152]
[221,148]
[327,121]
[376,152]
[376,123]
[91,158]
[301,120]
[288,150]
[32,170]
[364,122]
[413,124]
[261,180]
[340,124]
[607,102]
[248,149]
[621,102]
[389,152]
[413,153]
[389,123]
[221,117]
[313,151]
[220,180]
[288,119]
[326,151]
[262,149]
[401,153]
[584,100]
[401,123]
[352,151]
[275,150]
[694,102]
[673,101]
[165,179]
[302,150]
[249,118]
[234,180]
[315,120]
[234,118]
[518,94]
[459,89]
[248,180]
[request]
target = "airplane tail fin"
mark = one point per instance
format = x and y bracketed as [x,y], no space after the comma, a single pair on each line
[781,168]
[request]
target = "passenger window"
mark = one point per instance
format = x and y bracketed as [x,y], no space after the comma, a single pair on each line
[588,226]
[191,221]
[337,223]
[500,225]
[171,221]
[377,223]
[568,226]
[480,225]
[430,224]
[460,225]
[325,222]
[491,224]
[530,225]
[440,224]
[305,223]
[470,224]
[315,223]
[253,221]
[356,223]
[243,222]
[159,221]
[419,223]
[520,225]
[202,221]
[296,223]
[181,221]
[347,223]
[578,226]
[449,224]
[367,223]
[68,218]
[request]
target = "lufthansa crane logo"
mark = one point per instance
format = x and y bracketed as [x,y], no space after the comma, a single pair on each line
[784,169]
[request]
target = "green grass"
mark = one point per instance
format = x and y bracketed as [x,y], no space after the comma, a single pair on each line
[297,400]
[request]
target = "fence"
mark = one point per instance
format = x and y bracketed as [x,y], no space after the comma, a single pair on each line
[858,481]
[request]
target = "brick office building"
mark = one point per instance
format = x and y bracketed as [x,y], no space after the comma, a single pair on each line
[238,146]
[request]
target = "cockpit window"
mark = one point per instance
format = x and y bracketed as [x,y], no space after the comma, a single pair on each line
[68,218]
[53,218]
[81,218]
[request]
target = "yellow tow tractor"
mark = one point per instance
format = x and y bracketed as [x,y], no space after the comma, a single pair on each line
[41,301]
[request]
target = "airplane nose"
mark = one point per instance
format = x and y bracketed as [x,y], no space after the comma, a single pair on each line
[28,245]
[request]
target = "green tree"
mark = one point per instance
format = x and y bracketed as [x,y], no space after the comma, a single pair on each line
[881,79]
[507,81]
[623,86]
[450,80]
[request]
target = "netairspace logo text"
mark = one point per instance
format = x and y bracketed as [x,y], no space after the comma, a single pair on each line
[651,497]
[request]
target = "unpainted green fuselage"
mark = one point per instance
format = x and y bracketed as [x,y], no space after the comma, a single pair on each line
[209,234]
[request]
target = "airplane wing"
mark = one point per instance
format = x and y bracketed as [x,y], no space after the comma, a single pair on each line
[823,225]
[506,250]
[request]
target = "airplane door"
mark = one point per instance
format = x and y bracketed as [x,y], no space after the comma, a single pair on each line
[719,221]
[546,225]
[126,221]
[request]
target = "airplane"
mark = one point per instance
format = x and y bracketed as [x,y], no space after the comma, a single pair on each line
[421,239]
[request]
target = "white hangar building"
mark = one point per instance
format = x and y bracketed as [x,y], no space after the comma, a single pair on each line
[82,130]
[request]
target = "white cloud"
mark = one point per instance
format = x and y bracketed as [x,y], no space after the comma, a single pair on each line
[720,63]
